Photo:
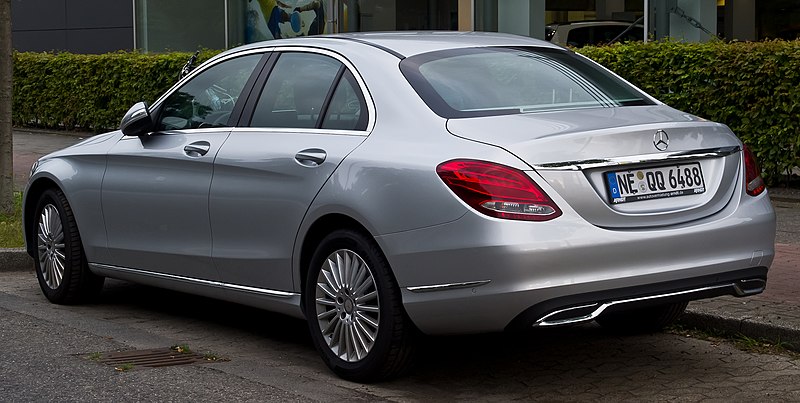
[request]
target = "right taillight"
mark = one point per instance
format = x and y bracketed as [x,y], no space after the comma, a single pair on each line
[753,182]
[498,190]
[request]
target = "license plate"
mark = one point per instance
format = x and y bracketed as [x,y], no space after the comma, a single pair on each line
[655,183]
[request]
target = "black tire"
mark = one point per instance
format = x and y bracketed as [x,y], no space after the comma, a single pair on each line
[392,351]
[61,266]
[642,320]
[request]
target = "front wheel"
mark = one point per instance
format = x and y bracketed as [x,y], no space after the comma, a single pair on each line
[61,267]
[354,310]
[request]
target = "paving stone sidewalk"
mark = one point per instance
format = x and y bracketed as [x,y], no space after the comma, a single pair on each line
[773,315]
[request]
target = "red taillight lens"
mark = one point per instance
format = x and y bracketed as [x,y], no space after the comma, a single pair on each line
[497,190]
[752,174]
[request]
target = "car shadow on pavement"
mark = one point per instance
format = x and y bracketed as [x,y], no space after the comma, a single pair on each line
[188,307]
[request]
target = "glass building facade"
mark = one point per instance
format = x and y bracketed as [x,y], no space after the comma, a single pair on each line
[162,25]
[98,26]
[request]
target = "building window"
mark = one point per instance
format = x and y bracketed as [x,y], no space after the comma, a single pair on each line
[176,25]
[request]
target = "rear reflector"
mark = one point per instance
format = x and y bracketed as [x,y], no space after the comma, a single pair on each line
[498,190]
[754,184]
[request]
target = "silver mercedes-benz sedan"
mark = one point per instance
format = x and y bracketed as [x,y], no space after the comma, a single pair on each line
[388,185]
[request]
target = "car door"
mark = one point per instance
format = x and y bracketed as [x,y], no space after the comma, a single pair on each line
[155,190]
[310,114]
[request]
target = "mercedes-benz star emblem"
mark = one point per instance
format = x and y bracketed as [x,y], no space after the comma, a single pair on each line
[661,140]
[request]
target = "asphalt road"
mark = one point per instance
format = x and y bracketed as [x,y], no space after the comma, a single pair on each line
[270,357]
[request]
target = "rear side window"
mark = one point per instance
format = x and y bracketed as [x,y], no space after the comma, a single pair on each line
[310,90]
[296,91]
[346,110]
[497,81]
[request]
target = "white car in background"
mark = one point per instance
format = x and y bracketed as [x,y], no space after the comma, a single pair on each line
[583,33]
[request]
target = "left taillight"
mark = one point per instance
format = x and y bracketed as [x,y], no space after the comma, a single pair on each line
[753,182]
[497,190]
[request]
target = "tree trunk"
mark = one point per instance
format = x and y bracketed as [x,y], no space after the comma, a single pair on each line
[6,144]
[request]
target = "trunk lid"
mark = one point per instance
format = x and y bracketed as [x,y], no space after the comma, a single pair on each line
[578,152]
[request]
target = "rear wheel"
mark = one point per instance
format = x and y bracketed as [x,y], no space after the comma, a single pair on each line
[61,267]
[354,310]
[642,320]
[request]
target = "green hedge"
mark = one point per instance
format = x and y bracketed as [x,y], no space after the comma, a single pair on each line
[89,92]
[753,87]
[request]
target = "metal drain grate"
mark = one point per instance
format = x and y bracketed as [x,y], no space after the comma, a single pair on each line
[161,357]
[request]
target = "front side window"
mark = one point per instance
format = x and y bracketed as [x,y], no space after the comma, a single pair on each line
[499,81]
[207,100]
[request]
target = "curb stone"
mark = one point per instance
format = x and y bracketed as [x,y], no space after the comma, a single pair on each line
[782,332]
[15,259]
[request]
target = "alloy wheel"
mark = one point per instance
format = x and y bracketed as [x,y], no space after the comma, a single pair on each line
[51,248]
[347,305]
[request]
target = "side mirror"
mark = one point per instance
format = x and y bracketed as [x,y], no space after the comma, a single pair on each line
[137,121]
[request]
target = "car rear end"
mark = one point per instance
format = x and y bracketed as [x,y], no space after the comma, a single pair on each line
[618,201]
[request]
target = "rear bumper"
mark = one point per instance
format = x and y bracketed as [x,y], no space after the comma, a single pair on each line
[480,274]
[586,307]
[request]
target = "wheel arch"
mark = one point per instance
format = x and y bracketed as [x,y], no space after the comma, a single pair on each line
[32,194]
[321,227]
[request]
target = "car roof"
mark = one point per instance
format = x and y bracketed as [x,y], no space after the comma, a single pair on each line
[405,43]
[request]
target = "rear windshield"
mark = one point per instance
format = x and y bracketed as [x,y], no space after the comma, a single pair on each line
[499,81]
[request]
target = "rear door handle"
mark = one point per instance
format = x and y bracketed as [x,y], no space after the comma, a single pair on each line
[197,149]
[311,157]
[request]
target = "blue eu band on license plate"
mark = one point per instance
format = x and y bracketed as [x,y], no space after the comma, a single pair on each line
[655,183]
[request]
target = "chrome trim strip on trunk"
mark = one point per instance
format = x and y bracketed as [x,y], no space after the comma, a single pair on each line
[638,159]
[208,283]
[542,322]
[450,286]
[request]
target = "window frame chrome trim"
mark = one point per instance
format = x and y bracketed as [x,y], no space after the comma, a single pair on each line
[368,100]
[298,130]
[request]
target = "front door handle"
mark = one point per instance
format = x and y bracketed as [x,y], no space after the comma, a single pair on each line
[311,157]
[197,149]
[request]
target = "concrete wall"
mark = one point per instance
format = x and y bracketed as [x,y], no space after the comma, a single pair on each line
[703,11]
[740,21]
[521,17]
